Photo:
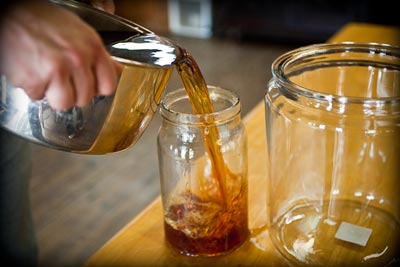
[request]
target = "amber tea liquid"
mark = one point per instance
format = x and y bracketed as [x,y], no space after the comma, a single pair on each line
[194,225]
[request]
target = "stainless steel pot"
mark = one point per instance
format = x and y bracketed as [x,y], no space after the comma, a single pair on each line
[110,123]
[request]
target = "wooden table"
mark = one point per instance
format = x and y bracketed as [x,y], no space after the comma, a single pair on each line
[141,242]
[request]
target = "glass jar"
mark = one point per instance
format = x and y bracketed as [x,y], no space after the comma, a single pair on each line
[333,143]
[203,171]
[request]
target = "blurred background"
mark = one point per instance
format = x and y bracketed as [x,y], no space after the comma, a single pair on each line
[292,21]
[79,201]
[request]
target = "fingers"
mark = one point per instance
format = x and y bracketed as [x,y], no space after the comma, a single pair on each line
[82,79]
[76,76]
[79,78]
[90,76]
[60,93]
[106,74]
[119,67]
[52,53]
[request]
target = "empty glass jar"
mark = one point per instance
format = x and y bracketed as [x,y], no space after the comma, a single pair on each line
[203,171]
[333,142]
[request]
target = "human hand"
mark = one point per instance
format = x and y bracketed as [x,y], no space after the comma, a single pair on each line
[52,53]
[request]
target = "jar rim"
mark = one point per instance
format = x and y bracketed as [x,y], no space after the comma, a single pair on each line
[217,117]
[294,90]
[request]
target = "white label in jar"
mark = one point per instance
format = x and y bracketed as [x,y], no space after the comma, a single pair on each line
[353,233]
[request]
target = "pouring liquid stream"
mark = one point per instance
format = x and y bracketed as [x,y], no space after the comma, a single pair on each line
[197,90]
[195,223]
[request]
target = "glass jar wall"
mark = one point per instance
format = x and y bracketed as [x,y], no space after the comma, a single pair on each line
[203,171]
[333,144]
